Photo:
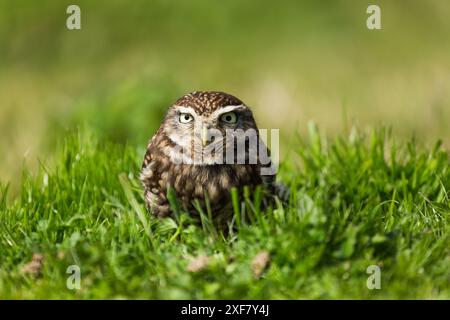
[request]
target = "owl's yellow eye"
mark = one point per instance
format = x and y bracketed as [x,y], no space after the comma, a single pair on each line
[186,117]
[229,117]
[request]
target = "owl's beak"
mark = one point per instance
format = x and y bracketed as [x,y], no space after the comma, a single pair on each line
[204,136]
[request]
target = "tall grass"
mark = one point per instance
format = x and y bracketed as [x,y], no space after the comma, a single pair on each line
[355,201]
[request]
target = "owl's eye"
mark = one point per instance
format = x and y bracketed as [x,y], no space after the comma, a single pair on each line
[229,117]
[186,117]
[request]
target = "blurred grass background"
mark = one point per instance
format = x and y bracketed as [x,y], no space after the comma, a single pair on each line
[292,62]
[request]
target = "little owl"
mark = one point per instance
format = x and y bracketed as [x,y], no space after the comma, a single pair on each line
[207,144]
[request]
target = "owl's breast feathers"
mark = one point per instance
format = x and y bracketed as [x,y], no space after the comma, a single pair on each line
[191,181]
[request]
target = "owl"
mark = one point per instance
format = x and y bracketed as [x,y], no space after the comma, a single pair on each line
[207,144]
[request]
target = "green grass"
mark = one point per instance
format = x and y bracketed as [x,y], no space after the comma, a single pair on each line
[357,201]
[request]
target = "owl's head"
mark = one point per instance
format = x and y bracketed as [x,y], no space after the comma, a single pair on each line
[200,123]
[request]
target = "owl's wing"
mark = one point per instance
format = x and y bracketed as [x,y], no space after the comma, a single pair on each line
[148,153]
[268,177]
[267,174]
[154,197]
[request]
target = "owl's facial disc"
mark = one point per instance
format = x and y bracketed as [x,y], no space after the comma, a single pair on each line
[201,137]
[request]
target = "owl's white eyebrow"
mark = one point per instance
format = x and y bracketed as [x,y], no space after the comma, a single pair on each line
[182,109]
[228,109]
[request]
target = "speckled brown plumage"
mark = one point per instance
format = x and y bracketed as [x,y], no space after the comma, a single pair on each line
[207,102]
[190,181]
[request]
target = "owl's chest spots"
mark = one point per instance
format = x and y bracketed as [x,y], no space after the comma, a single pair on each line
[194,182]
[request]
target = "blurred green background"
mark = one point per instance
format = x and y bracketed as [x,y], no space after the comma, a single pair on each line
[292,61]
